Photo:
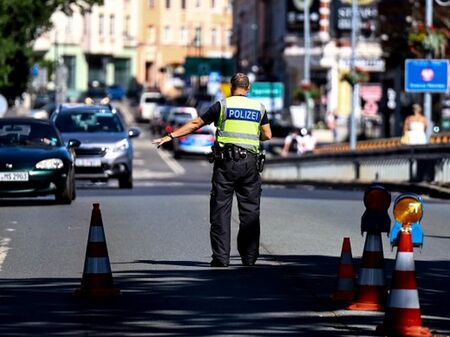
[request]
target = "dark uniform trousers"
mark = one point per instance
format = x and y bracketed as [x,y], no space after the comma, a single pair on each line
[240,177]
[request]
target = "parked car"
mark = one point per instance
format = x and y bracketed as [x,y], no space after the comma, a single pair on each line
[147,105]
[106,149]
[34,160]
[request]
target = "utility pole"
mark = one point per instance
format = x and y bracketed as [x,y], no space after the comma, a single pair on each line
[427,96]
[307,61]
[355,87]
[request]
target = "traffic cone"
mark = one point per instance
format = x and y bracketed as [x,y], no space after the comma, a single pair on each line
[345,289]
[97,278]
[371,291]
[402,315]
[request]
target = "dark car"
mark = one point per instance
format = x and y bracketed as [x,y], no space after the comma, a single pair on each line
[106,150]
[34,160]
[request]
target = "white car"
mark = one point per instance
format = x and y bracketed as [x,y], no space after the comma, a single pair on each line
[147,105]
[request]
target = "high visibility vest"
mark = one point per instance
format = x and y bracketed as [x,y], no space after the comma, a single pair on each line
[239,122]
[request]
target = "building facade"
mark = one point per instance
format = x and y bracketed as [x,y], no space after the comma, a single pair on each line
[99,46]
[278,49]
[171,30]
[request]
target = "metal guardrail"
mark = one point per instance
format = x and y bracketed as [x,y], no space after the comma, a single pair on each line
[383,161]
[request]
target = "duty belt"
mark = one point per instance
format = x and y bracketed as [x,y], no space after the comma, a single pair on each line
[228,152]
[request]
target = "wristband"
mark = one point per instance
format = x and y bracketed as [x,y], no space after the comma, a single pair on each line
[170,135]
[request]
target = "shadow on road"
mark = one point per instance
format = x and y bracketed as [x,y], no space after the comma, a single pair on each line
[282,296]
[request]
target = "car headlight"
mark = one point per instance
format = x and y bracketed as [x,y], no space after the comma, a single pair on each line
[121,146]
[50,164]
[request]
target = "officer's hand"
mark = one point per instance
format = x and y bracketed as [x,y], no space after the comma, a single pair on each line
[161,141]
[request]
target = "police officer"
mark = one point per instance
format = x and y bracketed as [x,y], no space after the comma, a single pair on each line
[241,124]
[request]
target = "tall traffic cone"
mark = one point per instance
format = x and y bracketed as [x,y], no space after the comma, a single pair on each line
[402,316]
[371,291]
[345,289]
[97,278]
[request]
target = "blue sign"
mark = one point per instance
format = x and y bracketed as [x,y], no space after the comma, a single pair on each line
[426,75]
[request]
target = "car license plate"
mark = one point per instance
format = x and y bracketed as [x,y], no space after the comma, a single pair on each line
[14,176]
[83,162]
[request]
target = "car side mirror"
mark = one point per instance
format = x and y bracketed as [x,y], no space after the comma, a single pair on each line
[134,132]
[73,143]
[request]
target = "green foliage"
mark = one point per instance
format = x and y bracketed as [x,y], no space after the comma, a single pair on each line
[428,40]
[302,93]
[356,76]
[21,22]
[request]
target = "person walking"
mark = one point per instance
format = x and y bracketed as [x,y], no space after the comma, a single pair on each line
[241,124]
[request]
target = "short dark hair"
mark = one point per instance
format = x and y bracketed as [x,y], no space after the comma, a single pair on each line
[240,80]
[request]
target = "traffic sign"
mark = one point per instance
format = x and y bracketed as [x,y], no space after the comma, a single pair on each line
[271,94]
[426,75]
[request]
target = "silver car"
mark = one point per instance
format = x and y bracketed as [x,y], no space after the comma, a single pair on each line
[106,150]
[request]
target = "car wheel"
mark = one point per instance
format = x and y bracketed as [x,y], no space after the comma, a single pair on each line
[126,181]
[65,194]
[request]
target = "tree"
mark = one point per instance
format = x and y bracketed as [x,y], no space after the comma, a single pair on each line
[21,22]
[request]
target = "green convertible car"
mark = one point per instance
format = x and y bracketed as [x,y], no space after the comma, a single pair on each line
[34,161]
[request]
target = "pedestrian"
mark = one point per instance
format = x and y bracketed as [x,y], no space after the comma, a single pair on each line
[414,127]
[241,124]
[302,140]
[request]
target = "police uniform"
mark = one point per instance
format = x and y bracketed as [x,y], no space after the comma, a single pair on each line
[238,120]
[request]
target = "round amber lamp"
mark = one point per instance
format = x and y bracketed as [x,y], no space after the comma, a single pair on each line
[408,210]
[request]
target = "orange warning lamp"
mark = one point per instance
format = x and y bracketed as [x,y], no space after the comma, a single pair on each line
[408,209]
[377,198]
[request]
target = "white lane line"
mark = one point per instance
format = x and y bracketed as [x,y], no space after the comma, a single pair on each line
[172,163]
[4,247]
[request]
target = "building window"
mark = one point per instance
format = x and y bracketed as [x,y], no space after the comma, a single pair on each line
[166,38]
[183,36]
[167,4]
[68,28]
[69,62]
[126,31]
[213,4]
[214,37]
[101,25]
[112,24]
[183,4]
[151,3]
[198,37]
[151,34]
[228,38]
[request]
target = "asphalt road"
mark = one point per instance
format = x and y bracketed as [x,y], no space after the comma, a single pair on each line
[158,243]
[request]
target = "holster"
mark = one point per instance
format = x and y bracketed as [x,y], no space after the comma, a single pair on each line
[261,161]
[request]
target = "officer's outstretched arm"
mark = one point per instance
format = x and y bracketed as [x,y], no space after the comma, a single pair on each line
[186,129]
[266,132]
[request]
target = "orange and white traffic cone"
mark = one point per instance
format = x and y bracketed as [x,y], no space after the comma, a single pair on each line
[402,315]
[97,278]
[371,291]
[345,289]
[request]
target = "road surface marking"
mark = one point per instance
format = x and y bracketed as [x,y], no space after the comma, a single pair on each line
[4,247]
[172,163]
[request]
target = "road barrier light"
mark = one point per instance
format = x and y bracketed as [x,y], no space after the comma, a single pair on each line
[408,212]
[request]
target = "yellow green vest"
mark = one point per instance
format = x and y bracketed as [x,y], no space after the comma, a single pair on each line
[239,122]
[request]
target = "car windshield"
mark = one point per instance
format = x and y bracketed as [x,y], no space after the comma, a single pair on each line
[28,134]
[88,121]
